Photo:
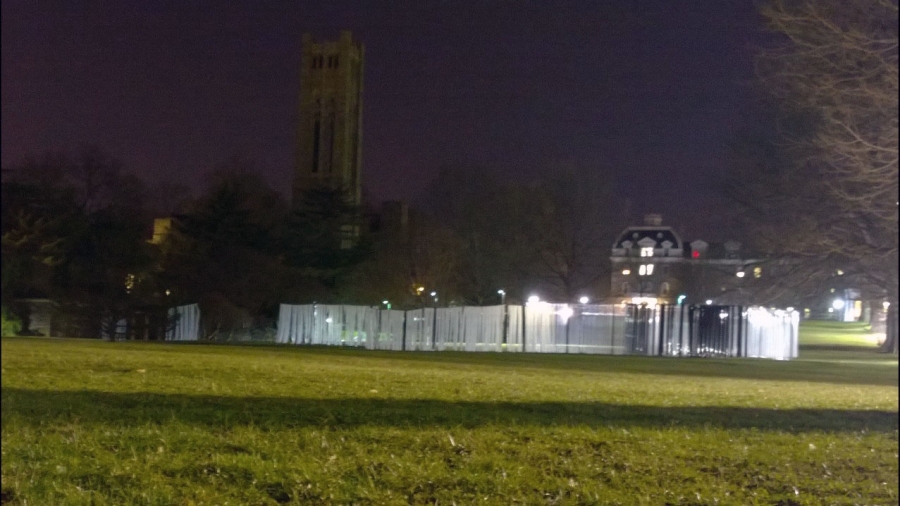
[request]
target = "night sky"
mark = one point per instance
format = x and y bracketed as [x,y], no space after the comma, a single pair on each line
[650,91]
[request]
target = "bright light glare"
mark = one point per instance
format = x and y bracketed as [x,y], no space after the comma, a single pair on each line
[708,302]
[626,272]
[328,320]
[650,301]
[838,304]
[584,300]
[831,310]
[789,309]
[534,299]
[885,305]
[740,274]
[565,312]
[384,302]
[433,294]
[501,292]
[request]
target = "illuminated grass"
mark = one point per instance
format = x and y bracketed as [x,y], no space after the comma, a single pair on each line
[820,334]
[112,423]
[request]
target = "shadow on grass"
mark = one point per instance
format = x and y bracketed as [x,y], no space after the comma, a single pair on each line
[37,407]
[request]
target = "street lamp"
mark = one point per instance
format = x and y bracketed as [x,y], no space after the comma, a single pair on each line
[502,296]
[386,303]
[534,299]
[584,300]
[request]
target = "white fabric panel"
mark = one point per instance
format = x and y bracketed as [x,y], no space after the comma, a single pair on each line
[420,329]
[360,326]
[187,326]
[545,328]
[514,332]
[390,331]
[483,328]
[449,329]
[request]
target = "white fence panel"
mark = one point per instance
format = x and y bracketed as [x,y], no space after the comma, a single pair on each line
[187,323]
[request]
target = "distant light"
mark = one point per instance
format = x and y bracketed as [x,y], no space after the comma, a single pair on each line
[626,272]
[840,272]
[708,302]
[534,299]
[832,290]
[681,298]
[328,320]
[695,254]
[885,305]
[584,300]
[789,309]
[501,292]
[565,313]
[384,302]
[740,274]
[168,292]
[838,304]
[433,294]
[831,310]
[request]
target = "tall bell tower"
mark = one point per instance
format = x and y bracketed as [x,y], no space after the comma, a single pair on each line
[329,136]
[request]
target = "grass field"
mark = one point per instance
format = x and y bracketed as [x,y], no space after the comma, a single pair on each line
[825,334]
[87,422]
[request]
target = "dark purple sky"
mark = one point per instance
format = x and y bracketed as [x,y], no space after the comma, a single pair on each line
[648,90]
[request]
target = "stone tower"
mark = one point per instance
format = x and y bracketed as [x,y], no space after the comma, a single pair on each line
[329,137]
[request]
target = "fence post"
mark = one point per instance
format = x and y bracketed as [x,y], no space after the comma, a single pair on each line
[524,326]
[505,325]
[662,327]
[403,335]
[434,329]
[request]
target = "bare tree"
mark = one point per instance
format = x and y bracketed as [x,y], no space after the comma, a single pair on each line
[835,205]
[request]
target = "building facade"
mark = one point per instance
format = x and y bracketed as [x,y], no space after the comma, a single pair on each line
[329,136]
[652,264]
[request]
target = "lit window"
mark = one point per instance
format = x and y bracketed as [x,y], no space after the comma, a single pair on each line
[645,270]
[646,252]
[757,272]
[626,272]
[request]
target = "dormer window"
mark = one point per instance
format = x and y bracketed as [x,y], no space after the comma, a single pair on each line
[647,252]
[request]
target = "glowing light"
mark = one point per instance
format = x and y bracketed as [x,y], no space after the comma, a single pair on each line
[384,302]
[645,270]
[420,289]
[681,298]
[565,313]
[534,299]
[168,292]
[740,274]
[626,272]
[840,272]
[650,301]
[584,300]
[501,292]
[433,294]
[885,305]
[708,302]
[328,320]
[831,310]
[757,272]
[695,254]
[838,304]
[790,309]
[647,252]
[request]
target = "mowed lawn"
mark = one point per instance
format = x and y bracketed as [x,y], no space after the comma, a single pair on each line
[88,422]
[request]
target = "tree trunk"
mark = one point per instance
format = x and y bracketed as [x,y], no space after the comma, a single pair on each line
[891,341]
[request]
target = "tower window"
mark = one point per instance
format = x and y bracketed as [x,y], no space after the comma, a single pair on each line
[317,133]
[645,270]
[647,252]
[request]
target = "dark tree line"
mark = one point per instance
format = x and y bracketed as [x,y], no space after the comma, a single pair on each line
[77,231]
